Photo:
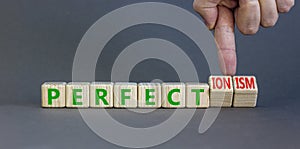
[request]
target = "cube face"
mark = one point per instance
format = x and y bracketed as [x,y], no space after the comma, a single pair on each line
[149,95]
[54,94]
[221,91]
[101,94]
[245,91]
[245,101]
[125,95]
[77,95]
[173,95]
[245,84]
[197,95]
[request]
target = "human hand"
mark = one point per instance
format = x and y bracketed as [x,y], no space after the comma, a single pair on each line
[221,15]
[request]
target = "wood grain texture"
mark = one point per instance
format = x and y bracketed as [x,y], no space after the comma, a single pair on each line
[178,97]
[54,89]
[221,91]
[77,94]
[245,91]
[154,90]
[129,92]
[103,88]
[192,89]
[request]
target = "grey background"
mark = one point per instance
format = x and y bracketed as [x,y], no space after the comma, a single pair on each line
[38,40]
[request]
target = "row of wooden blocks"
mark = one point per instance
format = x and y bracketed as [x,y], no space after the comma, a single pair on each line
[222,91]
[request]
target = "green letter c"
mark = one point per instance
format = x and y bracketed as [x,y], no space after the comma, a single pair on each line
[170,100]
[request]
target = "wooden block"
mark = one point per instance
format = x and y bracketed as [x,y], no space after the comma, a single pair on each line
[149,95]
[197,95]
[221,91]
[245,85]
[245,91]
[78,94]
[173,95]
[53,94]
[125,95]
[101,94]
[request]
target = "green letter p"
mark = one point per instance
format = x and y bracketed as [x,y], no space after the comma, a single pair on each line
[52,91]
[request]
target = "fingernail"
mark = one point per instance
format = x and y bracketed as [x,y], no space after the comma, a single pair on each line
[230,70]
[208,25]
[227,62]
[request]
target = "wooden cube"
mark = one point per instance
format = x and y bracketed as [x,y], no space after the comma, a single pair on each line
[221,91]
[125,95]
[53,94]
[197,95]
[173,95]
[245,91]
[78,94]
[101,94]
[149,95]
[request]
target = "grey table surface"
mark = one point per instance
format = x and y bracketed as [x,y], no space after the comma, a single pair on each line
[38,40]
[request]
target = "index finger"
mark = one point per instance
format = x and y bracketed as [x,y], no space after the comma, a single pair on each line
[224,35]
